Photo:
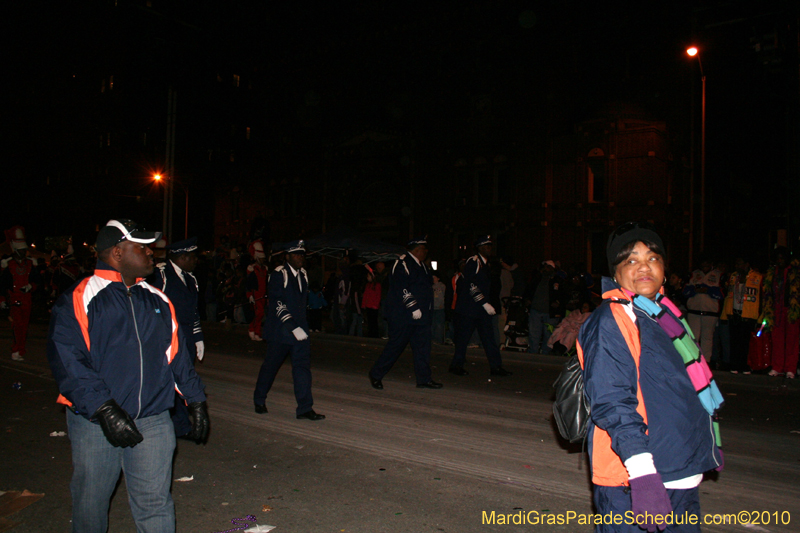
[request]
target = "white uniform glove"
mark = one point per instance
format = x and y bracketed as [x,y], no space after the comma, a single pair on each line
[27,288]
[489,309]
[3,305]
[201,349]
[252,299]
[299,334]
[416,315]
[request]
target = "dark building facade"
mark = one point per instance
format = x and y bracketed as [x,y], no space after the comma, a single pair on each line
[552,198]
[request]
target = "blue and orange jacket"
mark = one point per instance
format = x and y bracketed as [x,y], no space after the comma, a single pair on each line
[641,398]
[109,341]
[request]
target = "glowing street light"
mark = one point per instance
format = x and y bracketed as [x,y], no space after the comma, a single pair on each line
[168,204]
[694,52]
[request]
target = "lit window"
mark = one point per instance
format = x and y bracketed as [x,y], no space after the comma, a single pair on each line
[248,134]
[232,156]
[110,83]
[236,80]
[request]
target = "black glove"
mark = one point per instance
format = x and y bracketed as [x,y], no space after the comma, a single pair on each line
[199,415]
[117,425]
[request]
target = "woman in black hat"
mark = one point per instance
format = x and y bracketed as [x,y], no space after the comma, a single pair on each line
[653,430]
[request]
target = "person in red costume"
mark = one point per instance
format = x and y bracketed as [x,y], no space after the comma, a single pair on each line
[257,287]
[17,284]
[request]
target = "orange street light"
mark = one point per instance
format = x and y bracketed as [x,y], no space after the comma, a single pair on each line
[694,52]
[168,183]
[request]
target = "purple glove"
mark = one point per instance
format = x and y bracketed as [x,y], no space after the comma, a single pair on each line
[648,499]
[721,462]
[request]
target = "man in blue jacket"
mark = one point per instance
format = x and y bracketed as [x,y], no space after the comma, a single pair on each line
[175,279]
[286,332]
[118,358]
[474,311]
[409,311]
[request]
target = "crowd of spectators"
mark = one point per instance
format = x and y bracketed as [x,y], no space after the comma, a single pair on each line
[727,302]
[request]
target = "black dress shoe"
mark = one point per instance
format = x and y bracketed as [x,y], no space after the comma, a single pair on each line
[311,415]
[458,371]
[261,409]
[500,371]
[429,385]
[376,383]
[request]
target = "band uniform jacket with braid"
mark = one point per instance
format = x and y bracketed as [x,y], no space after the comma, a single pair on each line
[473,290]
[288,298]
[183,297]
[411,289]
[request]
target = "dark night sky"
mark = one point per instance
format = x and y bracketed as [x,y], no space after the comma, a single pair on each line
[326,69]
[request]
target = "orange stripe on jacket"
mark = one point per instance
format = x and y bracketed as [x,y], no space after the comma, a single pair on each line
[607,467]
[83,322]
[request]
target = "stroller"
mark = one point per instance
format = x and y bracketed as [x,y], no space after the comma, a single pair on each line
[516,328]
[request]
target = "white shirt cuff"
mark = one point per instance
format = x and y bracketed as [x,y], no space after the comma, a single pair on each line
[640,465]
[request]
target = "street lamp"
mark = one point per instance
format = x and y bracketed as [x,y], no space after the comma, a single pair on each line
[168,204]
[694,52]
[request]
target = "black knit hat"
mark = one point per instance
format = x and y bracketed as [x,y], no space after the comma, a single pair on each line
[626,234]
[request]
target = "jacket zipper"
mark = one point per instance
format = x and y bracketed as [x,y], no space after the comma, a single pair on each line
[141,358]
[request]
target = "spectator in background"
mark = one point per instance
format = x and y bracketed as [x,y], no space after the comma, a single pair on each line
[506,286]
[674,290]
[495,272]
[544,294]
[329,291]
[382,277]
[740,312]
[316,305]
[782,311]
[371,304]
[703,296]
[257,288]
[438,310]
[452,290]
[343,299]
[567,331]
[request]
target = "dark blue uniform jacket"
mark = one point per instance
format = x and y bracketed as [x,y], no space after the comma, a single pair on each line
[183,298]
[473,290]
[287,305]
[411,289]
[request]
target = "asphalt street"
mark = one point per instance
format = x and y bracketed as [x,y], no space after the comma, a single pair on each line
[398,460]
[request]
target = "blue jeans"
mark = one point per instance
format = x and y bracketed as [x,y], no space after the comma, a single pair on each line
[538,332]
[617,501]
[148,475]
[357,325]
